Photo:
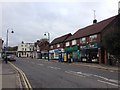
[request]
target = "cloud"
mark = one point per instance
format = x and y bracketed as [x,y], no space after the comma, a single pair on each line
[30,20]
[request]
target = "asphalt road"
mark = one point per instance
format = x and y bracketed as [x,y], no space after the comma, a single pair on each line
[49,74]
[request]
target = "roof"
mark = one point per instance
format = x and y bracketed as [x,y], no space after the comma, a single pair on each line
[60,39]
[92,29]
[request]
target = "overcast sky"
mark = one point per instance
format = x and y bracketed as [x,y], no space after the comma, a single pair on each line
[30,20]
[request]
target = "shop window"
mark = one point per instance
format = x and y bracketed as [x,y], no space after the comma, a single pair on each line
[93,38]
[83,40]
[73,42]
[67,43]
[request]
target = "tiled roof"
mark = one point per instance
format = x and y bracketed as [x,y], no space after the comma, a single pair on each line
[92,29]
[60,39]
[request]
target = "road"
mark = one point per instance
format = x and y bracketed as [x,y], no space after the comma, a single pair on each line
[49,74]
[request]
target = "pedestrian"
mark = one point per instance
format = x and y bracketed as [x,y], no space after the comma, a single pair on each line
[6,59]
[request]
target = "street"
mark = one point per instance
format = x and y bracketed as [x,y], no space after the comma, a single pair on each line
[51,74]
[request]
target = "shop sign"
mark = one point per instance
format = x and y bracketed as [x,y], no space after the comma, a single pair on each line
[71,49]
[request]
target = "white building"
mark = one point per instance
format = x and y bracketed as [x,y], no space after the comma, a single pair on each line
[25,49]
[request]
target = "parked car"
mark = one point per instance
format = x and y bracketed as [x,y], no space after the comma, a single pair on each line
[11,57]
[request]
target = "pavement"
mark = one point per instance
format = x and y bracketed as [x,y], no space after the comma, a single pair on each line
[9,77]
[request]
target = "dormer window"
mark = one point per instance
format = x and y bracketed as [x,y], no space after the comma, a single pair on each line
[58,45]
[67,44]
[74,42]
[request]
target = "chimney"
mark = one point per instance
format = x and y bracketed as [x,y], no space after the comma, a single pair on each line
[94,21]
[119,7]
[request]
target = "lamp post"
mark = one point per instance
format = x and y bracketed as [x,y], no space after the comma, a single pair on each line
[48,42]
[6,48]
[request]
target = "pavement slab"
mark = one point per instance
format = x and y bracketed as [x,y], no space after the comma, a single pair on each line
[8,76]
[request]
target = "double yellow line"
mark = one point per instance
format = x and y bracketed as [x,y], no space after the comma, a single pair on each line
[24,78]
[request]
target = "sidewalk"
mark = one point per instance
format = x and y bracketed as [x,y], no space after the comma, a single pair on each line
[8,76]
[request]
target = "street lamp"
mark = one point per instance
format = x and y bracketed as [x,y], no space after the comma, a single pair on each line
[7,35]
[48,41]
[7,39]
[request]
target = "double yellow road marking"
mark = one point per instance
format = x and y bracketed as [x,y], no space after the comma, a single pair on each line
[22,74]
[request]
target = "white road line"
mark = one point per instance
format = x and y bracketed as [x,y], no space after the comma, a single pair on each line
[40,64]
[74,73]
[107,79]
[32,62]
[108,83]
[54,67]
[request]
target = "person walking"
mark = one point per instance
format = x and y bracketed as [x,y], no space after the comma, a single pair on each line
[6,59]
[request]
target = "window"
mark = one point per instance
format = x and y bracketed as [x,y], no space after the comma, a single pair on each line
[93,38]
[51,47]
[83,40]
[22,49]
[25,49]
[73,42]
[21,45]
[58,45]
[67,43]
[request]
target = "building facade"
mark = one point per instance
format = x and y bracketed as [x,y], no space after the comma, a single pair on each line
[57,47]
[41,49]
[86,44]
[25,50]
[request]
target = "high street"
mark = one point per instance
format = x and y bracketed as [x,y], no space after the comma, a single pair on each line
[49,74]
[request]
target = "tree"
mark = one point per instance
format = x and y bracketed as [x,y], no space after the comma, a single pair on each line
[111,41]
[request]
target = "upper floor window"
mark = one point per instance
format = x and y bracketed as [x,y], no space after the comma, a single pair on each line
[51,47]
[93,38]
[58,45]
[22,49]
[67,43]
[21,45]
[83,40]
[74,42]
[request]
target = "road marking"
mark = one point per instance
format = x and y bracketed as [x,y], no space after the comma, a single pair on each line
[54,67]
[107,79]
[26,82]
[111,71]
[32,62]
[74,73]
[40,64]
[108,83]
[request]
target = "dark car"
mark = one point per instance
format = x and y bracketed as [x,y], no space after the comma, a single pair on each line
[11,58]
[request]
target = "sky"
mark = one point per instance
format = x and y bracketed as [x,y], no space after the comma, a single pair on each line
[30,19]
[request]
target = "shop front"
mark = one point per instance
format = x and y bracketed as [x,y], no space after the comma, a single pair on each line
[57,54]
[71,54]
[90,53]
